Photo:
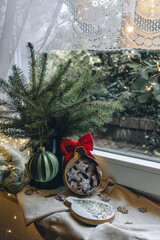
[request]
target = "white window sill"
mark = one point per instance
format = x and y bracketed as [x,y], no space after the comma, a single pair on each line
[135,173]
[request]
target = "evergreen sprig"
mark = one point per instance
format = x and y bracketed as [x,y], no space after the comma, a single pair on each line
[41,109]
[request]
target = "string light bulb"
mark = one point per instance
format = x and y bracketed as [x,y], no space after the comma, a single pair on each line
[4,108]
[158,66]
[149,88]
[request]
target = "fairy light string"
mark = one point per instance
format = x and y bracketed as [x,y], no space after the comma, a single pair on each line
[155,67]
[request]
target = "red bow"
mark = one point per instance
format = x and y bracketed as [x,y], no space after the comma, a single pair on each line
[68,146]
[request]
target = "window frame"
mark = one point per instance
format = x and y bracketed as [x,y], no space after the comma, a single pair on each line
[132,172]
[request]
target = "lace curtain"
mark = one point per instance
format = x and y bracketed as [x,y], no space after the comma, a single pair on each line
[22,21]
[75,24]
[106,25]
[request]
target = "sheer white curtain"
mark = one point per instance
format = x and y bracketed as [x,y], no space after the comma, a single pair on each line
[78,24]
[22,21]
[107,25]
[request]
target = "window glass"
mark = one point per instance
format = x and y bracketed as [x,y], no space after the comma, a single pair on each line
[132,78]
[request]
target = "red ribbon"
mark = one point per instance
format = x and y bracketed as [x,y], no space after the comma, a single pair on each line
[68,146]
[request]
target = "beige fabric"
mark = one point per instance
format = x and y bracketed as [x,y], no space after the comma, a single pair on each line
[54,221]
[38,205]
[64,226]
[120,232]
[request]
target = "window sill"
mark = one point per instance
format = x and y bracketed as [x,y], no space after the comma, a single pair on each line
[131,172]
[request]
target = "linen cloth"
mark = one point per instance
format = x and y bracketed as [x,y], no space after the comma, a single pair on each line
[53,219]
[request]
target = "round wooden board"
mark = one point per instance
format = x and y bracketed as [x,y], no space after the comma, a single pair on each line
[90,211]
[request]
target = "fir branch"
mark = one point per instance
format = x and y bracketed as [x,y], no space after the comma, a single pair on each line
[18,79]
[32,113]
[73,105]
[104,104]
[26,99]
[32,65]
[103,120]
[42,67]
[50,85]
[84,87]
[14,94]
[3,102]
[4,86]
[60,106]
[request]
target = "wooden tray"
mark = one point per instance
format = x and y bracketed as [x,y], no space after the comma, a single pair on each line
[90,211]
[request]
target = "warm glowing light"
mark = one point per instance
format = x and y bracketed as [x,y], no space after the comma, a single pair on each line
[23,140]
[9,230]
[125,87]
[130,29]
[148,88]
[15,217]
[158,67]
[129,57]
[4,108]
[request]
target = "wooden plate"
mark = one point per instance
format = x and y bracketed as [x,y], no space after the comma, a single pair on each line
[90,211]
[79,154]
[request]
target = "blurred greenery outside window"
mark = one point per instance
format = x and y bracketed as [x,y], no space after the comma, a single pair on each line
[131,77]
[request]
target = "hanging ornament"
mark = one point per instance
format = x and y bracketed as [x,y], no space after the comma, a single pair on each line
[82,174]
[43,166]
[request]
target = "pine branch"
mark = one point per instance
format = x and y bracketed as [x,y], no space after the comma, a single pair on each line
[111,105]
[18,80]
[42,67]
[60,106]
[32,65]
[4,86]
[65,108]
[3,102]
[55,80]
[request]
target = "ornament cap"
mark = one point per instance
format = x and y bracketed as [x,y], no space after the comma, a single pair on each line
[41,149]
